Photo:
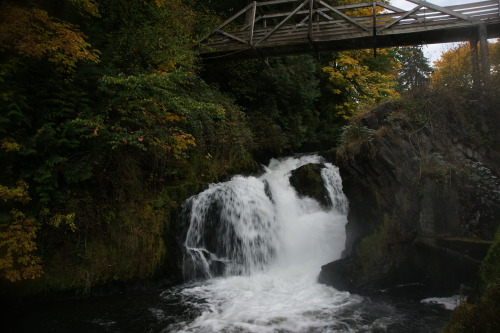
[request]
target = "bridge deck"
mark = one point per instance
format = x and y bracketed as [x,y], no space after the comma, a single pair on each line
[284,27]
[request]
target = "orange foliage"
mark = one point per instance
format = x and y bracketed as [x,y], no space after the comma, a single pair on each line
[18,258]
[17,242]
[32,33]
[454,68]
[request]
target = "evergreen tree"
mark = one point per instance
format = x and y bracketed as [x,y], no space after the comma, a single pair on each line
[415,69]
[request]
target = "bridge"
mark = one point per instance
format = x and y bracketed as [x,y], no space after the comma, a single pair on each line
[287,27]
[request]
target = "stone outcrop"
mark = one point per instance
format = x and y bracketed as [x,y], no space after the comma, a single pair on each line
[423,193]
[307,182]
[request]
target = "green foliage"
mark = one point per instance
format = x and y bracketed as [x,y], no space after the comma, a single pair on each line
[224,140]
[481,316]
[490,267]
[415,69]
[130,245]
[279,99]
[376,247]
[352,137]
[144,112]
[289,89]
[144,36]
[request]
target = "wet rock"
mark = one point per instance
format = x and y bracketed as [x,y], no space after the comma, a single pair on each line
[337,274]
[307,181]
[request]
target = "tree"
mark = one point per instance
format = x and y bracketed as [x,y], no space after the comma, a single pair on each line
[415,70]
[19,258]
[30,32]
[35,47]
[454,68]
[358,79]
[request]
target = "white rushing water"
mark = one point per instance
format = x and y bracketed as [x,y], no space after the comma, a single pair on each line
[266,245]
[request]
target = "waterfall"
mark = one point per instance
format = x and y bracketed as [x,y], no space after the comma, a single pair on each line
[258,247]
[249,224]
[232,229]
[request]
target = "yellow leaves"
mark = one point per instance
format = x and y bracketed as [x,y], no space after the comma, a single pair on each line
[352,78]
[10,146]
[17,245]
[18,259]
[181,143]
[18,194]
[60,219]
[454,68]
[172,117]
[32,33]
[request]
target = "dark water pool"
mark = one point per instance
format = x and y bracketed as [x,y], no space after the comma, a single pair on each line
[172,311]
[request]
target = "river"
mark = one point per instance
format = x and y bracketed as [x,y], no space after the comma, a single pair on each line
[253,252]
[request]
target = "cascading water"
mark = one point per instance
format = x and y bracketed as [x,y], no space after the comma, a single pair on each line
[268,245]
[249,224]
[231,229]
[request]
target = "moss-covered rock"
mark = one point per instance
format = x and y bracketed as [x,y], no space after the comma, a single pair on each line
[307,182]
[480,314]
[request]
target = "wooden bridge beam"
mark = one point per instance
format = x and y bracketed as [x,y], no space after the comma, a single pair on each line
[282,22]
[442,9]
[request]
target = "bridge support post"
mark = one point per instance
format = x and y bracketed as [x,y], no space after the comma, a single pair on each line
[485,58]
[474,57]
[252,12]
[248,14]
[374,23]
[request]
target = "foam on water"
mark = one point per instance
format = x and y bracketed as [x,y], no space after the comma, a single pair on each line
[271,244]
[449,303]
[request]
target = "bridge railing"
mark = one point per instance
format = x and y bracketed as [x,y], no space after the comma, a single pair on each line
[283,21]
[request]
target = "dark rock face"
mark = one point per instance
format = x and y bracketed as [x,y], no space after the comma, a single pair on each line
[414,177]
[307,181]
[338,274]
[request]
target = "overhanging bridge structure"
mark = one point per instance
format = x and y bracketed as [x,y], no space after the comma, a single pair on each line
[287,27]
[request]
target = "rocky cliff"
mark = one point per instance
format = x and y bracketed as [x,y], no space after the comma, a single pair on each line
[421,178]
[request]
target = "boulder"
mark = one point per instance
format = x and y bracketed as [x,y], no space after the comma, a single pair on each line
[307,182]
